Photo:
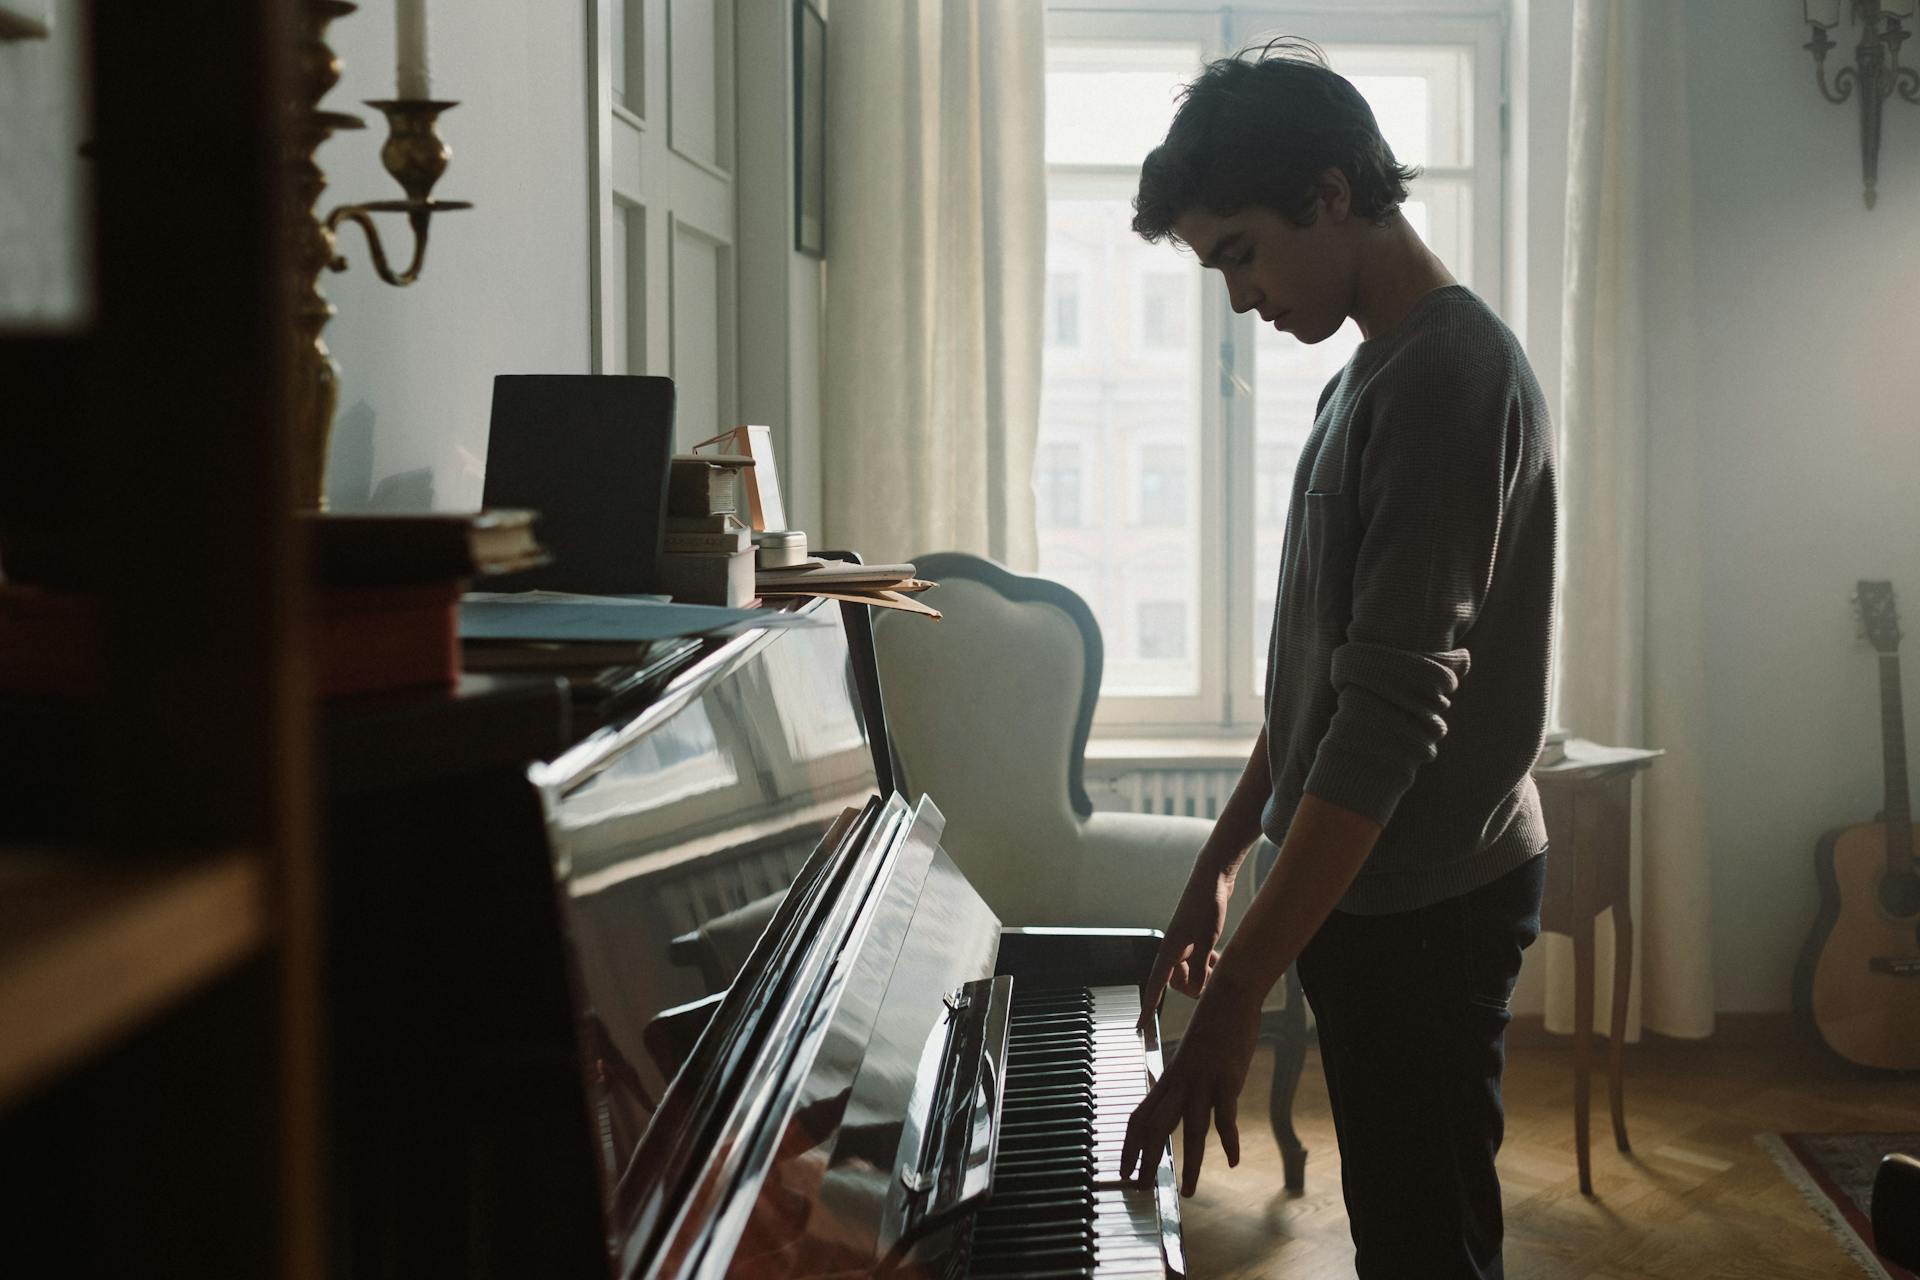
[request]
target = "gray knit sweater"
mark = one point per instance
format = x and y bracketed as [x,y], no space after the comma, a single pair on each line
[1407,677]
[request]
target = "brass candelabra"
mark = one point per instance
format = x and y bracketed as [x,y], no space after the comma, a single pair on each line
[416,157]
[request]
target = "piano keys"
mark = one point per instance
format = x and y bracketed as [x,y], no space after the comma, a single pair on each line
[758,1025]
[1076,1069]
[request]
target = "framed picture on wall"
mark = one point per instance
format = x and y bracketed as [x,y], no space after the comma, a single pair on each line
[810,129]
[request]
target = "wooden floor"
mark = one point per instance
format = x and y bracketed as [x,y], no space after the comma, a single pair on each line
[1697,1200]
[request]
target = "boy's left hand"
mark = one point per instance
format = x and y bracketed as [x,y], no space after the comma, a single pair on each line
[1203,1080]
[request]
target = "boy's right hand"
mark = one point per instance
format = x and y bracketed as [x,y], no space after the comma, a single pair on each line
[1187,954]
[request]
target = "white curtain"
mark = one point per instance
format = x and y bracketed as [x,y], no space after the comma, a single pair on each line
[1631,652]
[936,252]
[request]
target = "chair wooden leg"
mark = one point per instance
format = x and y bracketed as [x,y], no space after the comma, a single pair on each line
[1289,1055]
[1617,1033]
[1582,1044]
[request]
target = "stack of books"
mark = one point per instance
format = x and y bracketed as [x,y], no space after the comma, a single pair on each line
[890,586]
[706,554]
[387,592]
[383,609]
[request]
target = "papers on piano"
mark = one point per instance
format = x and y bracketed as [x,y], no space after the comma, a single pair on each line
[888,585]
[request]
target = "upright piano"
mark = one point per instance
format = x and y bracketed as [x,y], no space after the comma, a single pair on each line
[703,996]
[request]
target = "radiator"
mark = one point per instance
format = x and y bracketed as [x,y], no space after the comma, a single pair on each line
[1189,793]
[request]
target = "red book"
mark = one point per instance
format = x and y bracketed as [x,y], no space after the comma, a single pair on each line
[362,640]
[372,639]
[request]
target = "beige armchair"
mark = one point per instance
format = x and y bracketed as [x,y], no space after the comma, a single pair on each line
[988,712]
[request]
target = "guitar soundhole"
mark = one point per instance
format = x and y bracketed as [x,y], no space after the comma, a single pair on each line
[1900,895]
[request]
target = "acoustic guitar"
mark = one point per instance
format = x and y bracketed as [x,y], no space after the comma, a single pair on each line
[1858,984]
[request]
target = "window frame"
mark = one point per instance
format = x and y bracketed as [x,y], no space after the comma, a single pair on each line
[1225,490]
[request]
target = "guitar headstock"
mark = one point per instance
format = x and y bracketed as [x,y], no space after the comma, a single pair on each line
[1878,617]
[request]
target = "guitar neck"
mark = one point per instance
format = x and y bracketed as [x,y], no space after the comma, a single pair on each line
[1893,737]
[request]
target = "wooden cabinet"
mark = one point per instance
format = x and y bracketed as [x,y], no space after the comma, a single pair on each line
[160,951]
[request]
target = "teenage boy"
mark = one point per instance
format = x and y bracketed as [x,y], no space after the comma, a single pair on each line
[1407,676]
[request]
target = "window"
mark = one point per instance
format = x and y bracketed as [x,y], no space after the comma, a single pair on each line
[1056,486]
[1163,309]
[1191,419]
[1063,309]
[1162,634]
[1163,486]
[1273,483]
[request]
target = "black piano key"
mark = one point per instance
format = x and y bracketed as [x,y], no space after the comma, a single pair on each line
[1026,1238]
[1051,1022]
[1072,1160]
[1028,1137]
[1063,1260]
[1059,1201]
[1043,1113]
[1063,1253]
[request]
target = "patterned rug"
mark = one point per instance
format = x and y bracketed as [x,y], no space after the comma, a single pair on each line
[1834,1171]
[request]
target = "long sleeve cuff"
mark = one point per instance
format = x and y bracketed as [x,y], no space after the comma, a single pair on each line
[1389,720]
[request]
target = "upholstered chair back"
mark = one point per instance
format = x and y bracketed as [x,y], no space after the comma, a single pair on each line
[988,711]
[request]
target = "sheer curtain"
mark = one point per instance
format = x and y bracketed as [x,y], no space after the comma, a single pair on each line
[936,242]
[1631,652]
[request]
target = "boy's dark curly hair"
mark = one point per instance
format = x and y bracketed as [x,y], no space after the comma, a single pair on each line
[1259,128]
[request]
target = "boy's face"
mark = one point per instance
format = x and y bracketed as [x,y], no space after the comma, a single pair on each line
[1299,279]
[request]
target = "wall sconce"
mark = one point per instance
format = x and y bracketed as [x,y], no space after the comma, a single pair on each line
[413,154]
[1876,71]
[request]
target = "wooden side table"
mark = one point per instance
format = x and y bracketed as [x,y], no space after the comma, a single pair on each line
[1587,799]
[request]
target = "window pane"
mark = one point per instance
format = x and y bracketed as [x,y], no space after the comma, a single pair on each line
[1063,309]
[1121,412]
[1164,304]
[1163,486]
[1162,634]
[1421,95]
[1288,378]
[1441,210]
[1111,103]
[1057,484]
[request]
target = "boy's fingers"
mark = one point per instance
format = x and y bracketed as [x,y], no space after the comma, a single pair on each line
[1194,1143]
[1144,1134]
[1226,1121]
[1163,966]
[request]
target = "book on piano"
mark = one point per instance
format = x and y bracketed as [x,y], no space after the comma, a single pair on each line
[378,549]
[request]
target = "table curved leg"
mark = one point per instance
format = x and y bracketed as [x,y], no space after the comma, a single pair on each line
[1289,1055]
[1617,1034]
[1582,1045]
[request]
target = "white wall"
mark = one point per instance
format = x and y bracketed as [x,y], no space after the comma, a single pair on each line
[506,286]
[1809,403]
[1809,396]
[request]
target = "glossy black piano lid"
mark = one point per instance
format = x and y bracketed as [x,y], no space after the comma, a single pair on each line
[685,823]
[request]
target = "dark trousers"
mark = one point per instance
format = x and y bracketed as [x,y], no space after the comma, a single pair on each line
[1412,1016]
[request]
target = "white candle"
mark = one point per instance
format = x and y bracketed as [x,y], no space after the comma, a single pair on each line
[1823,13]
[410,42]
